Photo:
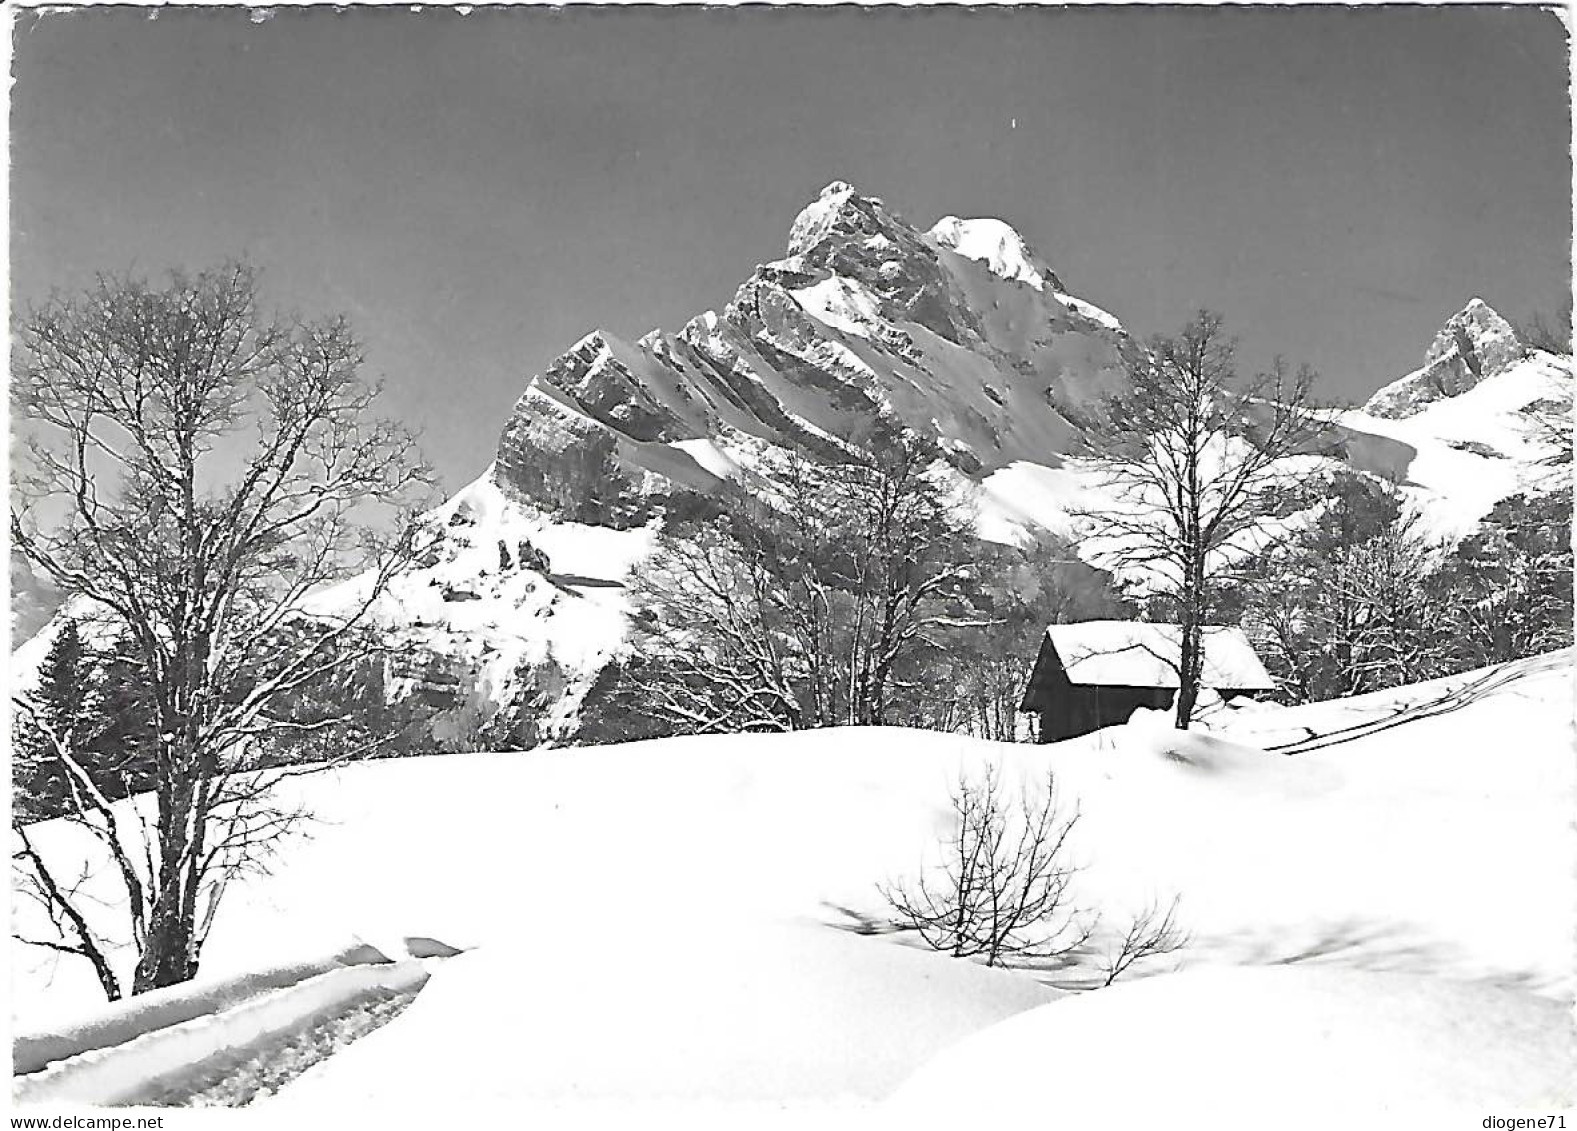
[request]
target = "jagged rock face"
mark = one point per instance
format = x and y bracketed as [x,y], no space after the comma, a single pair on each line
[568,462]
[961,334]
[845,234]
[1474,344]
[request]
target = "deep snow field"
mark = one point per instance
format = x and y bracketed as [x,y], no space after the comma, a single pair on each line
[1383,924]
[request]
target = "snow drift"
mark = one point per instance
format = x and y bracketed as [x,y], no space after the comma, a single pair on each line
[1230,1045]
[697,919]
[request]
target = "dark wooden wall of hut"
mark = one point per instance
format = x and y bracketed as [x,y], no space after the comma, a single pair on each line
[1073,709]
[1068,710]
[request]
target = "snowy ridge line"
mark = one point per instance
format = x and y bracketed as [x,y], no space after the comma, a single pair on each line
[125,1021]
[1488,681]
[160,1060]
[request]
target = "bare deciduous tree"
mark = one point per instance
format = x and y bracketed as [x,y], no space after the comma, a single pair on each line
[717,650]
[1510,582]
[805,602]
[191,470]
[1356,601]
[1553,335]
[1002,890]
[1195,460]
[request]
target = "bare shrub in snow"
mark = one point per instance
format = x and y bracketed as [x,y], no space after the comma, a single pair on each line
[1001,891]
[1152,933]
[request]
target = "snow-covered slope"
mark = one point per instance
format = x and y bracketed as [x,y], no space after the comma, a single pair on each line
[681,918]
[1461,433]
[1321,1046]
[508,607]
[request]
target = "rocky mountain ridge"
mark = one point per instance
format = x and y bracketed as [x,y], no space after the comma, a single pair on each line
[961,334]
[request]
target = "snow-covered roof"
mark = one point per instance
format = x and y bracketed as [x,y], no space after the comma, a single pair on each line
[1122,653]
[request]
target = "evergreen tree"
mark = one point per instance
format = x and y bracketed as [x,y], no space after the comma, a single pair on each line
[125,735]
[90,706]
[56,710]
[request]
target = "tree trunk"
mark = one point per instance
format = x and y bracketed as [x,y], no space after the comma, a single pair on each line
[169,952]
[1188,678]
[1191,659]
[169,947]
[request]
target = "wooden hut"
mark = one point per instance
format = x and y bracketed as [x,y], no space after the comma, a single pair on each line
[1096,673]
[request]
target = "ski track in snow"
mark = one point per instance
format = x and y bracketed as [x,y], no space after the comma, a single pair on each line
[205,1051]
[245,1075]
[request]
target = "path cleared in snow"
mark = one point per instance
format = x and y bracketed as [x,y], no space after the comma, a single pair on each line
[108,1025]
[255,1071]
[182,1057]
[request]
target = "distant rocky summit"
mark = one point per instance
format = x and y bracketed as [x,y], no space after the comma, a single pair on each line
[1475,343]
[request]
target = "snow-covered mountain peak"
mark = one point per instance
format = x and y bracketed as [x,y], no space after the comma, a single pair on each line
[1478,332]
[1463,434]
[596,339]
[867,323]
[818,218]
[962,334]
[1475,344]
[998,245]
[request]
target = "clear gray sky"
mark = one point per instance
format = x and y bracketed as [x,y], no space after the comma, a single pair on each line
[479,191]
